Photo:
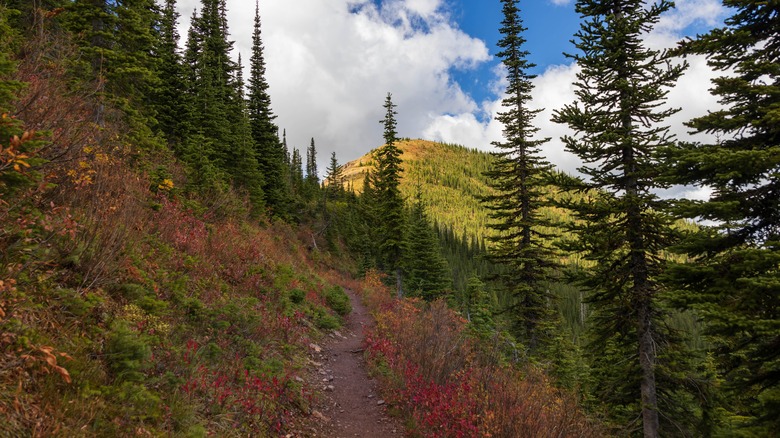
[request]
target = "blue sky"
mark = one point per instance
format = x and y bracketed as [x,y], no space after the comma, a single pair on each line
[550,29]
[331,63]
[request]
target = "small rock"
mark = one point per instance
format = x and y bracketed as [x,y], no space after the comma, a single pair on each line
[318,415]
[299,379]
[331,388]
[370,396]
[380,402]
[315,347]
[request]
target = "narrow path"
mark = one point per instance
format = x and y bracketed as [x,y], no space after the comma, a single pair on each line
[352,405]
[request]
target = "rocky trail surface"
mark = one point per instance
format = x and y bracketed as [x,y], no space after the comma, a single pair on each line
[351,405]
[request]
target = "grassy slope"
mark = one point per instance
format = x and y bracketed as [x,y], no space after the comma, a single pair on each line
[450,176]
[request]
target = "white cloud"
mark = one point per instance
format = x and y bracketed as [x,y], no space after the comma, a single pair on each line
[554,89]
[331,63]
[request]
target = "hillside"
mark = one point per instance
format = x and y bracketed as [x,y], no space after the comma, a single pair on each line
[452,181]
[451,178]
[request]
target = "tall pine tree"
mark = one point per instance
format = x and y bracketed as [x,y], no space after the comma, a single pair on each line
[733,282]
[517,176]
[312,174]
[270,152]
[618,128]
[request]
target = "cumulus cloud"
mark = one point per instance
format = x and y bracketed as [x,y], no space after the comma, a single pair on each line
[331,63]
[554,89]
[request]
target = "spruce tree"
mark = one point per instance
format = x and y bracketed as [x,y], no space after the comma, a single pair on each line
[390,203]
[368,229]
[334,179]
[733,281]
[170,101]
[312,174]
[517,175]
[242,163]
[116,43]
[618,129]
[426,272]
[296,170]
[269,150]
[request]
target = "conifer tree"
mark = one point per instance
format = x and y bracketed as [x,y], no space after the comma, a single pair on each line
[116,43]
[334,178]
[270,153]
[242,163]
[296,168]
[517,176]
[618,128]
[369,217]
[390,204]
[734,280]
[218,147]
[170,101]
[426,272]
[312,174]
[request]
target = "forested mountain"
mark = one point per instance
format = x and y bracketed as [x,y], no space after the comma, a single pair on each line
[450,176]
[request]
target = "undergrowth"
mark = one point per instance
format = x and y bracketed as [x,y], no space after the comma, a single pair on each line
[449,383]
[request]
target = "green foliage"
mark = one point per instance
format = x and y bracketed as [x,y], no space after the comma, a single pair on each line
[126,353]
[297,296]
[389,203]
[338,300]
[640,367]
[517,176]
[732,279]
[269,151]
[426,272]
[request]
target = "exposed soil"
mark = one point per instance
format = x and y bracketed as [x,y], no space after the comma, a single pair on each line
[351,405]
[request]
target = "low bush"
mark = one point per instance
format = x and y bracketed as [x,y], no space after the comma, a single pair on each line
[338,300]
[447,385]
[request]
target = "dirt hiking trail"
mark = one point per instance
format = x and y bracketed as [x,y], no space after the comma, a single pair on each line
[351,405]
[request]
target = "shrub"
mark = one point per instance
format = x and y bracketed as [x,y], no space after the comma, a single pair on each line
[338,300]
[297,296]
[126,353]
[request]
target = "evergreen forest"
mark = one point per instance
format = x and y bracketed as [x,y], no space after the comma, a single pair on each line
[169,264]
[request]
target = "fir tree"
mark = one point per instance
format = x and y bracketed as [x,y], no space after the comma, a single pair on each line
[265,133]
[390,204]
[618,129]
[170,94]
[517,176]
[296,169]
[734,281]
[116,42]
[312,174]
[369,217]
[426,271]
[335,178]
[242,163]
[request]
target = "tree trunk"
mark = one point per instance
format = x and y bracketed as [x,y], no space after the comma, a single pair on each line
[647,360]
